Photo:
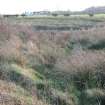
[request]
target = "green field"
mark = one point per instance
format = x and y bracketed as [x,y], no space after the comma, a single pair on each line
[60,20]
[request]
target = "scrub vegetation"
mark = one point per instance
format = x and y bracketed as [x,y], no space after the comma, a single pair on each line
[52,60]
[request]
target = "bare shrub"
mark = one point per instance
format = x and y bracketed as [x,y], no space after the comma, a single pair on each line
[82,61]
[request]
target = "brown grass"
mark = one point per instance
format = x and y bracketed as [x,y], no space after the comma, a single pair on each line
[24,46]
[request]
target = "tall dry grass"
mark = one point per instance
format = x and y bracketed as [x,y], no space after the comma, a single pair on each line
[25,46]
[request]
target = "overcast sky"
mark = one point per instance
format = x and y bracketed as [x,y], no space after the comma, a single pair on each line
[19,6]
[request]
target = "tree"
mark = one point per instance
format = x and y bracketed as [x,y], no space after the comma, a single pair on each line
[23,14]
[54,14]
[66,14]
[91,14]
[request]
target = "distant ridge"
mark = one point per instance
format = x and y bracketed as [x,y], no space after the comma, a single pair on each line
[95,10]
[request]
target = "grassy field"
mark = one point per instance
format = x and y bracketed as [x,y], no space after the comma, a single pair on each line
[60,20]
[52,60]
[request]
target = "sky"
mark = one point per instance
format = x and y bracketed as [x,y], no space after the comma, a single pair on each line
[20,6]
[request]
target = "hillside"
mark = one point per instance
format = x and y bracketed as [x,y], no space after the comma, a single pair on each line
[95,10]
[41,64]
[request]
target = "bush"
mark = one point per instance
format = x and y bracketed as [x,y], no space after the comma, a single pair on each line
[66,14]
[91,14]
[54,14]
